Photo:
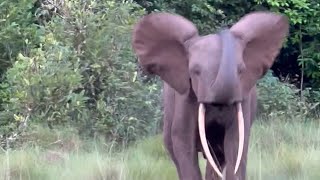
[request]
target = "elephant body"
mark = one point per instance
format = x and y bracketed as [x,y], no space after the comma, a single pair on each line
[176,128]
[217,73]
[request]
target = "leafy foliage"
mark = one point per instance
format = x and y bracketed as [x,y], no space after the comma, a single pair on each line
[208,15]
[83,74]
[70,63]
[277,99]
[304,39]
[17,32]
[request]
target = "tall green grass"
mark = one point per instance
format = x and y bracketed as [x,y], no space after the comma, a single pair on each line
[278,151]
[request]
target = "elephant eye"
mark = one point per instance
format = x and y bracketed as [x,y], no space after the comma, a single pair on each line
[196,71]
[241,68]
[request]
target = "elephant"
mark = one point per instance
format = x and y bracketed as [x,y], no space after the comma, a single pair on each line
[209,86]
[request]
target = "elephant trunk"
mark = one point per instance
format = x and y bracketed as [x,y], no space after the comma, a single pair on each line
[226,88]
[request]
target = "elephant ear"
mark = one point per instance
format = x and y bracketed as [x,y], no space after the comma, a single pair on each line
[261,35]
[159,42]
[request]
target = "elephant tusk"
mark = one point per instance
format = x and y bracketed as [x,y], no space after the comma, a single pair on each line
[241,136]
[202,133]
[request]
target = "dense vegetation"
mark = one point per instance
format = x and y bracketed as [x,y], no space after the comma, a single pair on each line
[70,63]
[67,65]
[71,89]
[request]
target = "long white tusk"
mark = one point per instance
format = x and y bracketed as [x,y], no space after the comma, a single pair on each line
[202,133]
[241,136]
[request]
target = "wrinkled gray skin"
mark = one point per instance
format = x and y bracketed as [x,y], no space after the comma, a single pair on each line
[218,87]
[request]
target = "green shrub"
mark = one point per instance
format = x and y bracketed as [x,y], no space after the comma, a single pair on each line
[83,74]
[276,98]
[18,34]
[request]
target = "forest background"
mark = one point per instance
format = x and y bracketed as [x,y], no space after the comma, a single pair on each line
[69,76]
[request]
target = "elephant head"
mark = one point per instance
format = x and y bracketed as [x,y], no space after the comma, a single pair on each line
[219,68]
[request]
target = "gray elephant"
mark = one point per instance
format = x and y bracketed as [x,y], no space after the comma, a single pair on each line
[209,86]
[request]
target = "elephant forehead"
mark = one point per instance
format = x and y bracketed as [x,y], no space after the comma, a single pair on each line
[206,48]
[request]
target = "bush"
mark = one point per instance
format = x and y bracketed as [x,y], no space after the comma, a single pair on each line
[278,99]
[18,34]
[83,74]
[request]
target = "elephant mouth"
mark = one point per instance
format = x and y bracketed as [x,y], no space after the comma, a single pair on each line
[218,104]
[224,104]
[203,139]
[231,103]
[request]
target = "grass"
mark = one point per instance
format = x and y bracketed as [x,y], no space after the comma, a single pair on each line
[277,151]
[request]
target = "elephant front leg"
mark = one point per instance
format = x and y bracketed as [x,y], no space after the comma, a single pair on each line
[183,133]
[167,124]
[186,156]
[168,142]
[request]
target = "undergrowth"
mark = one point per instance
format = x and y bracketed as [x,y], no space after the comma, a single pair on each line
[278,150]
